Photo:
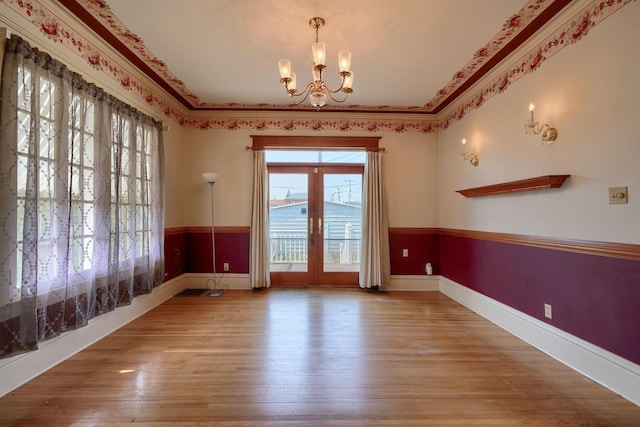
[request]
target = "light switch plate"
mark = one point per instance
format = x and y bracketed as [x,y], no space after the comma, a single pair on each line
[618,195]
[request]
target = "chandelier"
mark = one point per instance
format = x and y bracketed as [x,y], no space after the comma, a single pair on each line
[318,91]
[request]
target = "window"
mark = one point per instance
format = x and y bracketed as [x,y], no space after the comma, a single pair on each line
[130,189]
[129,175]
[41,155]
[81,200]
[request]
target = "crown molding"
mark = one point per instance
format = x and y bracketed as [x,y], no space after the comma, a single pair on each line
[545,27]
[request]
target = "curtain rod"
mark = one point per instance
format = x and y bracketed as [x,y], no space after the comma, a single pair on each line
[249,147]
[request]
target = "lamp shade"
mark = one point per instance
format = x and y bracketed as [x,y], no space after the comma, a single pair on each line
[348,81]
[344,60]
[318,51]
[210,177]
[293,82]
[285,68]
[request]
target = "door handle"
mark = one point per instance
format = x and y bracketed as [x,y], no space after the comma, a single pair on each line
[320,226]
[311,226]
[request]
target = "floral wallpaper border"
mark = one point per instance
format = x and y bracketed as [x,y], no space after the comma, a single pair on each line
[59,31]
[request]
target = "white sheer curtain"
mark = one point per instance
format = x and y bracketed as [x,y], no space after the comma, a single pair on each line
[374,264]
[259,256]
[81,200]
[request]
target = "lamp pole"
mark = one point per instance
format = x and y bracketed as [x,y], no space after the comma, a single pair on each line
[211,179]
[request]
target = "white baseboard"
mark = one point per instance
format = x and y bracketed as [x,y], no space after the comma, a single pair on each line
[241,281]
[613,372]
[413,283]
[20,369]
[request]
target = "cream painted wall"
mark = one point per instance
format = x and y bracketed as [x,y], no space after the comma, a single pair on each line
[175,165]
[410,166]
[590,92]
[173,138]
[223,152]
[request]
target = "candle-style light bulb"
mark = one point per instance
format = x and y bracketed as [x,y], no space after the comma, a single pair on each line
[531,108]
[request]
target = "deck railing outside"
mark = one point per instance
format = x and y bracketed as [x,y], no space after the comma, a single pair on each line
[291,248]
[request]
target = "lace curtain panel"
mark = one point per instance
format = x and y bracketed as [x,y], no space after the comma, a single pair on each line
[81,200]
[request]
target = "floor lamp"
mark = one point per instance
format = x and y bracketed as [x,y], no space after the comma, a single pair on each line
[211,179]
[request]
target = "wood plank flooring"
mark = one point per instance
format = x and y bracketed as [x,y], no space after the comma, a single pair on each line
[313,357]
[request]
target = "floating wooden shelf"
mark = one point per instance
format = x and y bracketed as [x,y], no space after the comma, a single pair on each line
[539,183]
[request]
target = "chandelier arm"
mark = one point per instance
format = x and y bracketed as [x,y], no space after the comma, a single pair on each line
[326,85]
[306,95]
[305,92]
[346,95]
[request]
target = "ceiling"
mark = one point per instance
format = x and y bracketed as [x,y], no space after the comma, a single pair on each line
[407,55]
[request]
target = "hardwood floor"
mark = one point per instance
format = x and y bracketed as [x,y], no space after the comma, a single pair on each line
[333,357]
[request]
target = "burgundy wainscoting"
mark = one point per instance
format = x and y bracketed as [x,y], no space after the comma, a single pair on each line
[423,245]
[175,252]
[594,297]
[232,246]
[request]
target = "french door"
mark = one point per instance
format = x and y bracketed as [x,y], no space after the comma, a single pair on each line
[315,215]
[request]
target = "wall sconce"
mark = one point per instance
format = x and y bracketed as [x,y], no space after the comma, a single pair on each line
[532,127]
[472,158]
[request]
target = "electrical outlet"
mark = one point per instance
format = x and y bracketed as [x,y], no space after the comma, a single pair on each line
[405,253]
[226,266]
[547,311]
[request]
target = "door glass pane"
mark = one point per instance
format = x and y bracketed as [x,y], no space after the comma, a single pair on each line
[342,214]
[288,221]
